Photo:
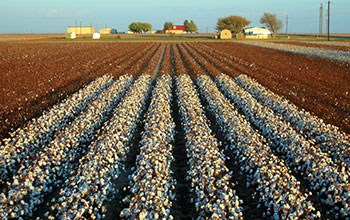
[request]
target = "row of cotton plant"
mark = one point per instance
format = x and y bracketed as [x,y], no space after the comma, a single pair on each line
[279,191]
[328,137]
[25,142]
[152,182]
[215,196]
[33,180]
[92,184]
[323,175]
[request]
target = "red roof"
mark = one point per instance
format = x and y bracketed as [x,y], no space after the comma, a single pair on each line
[178,27]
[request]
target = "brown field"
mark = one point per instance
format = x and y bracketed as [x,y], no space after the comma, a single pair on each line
[29,37]
[36,76]
[104,144]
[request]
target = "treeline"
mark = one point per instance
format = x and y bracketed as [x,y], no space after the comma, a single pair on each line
[139,27]
[236,23]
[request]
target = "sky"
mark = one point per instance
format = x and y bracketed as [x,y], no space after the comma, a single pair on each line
[45,16]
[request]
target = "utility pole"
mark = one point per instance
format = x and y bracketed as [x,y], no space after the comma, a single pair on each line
[328,19]
[321,18]
[287,25]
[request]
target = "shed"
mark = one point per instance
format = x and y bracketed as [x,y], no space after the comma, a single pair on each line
[96,36]
[225,34]
[81,30]
[256,33]
[72,35]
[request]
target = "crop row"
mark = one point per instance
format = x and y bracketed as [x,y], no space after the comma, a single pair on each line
[51,73]
[56,159]
[279,191]
[40,130]
[210,178]
[85,192]
[299,154]
[33,180]
[26,142]
[152,182]
[327,136]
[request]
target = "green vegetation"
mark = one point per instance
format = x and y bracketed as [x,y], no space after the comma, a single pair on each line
[146,27]
[233,23]
[168,25]
[138,27]
[190,26]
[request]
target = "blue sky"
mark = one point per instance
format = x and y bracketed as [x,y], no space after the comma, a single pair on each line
[44,16]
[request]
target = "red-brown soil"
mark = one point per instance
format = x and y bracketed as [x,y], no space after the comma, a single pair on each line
[165,68]
[318,85]
[35,76]
[29,37]
[315,45]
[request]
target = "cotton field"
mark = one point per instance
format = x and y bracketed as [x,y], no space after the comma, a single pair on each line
[178,131]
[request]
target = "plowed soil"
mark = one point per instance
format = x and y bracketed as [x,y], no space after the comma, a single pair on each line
[34,76]
[318,85]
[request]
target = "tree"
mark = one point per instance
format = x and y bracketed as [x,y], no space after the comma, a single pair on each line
[168,25]
[136,27]
[190,26]
[146,27]
[271,22]
[233,23]
[186,22]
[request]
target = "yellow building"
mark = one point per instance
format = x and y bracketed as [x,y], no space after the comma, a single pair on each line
[81,30]
[256,33]
[106,31]
[225,34]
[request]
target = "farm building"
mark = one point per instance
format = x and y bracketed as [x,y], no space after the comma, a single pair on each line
[225,34]
[81,30]
[108,31]
[72,35]
[256,33]
[176,29]
[105,31]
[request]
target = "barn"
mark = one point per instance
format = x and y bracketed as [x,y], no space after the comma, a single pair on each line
[256,33]
[176,29]
[225,34]
[106,31]
[81,30]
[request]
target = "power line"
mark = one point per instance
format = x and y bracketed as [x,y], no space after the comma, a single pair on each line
[287,25]
[321,19]
[328,19]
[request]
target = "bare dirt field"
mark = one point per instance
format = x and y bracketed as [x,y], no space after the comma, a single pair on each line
[315,84]
[29,37]
[38,75]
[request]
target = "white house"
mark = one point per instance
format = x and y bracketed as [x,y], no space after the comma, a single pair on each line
[256,33]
